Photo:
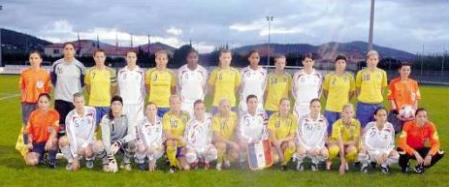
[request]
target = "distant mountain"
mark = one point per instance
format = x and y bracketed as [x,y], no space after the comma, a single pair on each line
[354,50]
[16,42]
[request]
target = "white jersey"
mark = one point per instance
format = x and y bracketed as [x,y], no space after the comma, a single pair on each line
[151,134]
[191,85]
[377,140]
[253,83]
[131,85]
[198,134]
[253,127]
[311,132]
[305,88]
[80,129]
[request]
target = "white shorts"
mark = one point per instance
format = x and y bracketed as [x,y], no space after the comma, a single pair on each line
[302,109]
[208,153]
[134,112]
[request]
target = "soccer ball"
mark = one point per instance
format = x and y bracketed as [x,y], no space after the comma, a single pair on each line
[407,112]
[112,166]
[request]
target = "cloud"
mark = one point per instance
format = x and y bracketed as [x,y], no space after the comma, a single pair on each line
[404,25]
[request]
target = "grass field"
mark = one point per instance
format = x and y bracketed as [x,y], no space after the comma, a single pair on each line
[13,171]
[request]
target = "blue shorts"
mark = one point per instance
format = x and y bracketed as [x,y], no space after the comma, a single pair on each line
[162,111]
[365,112]
[101,111]
[269,112]
[331,117]
[39,148]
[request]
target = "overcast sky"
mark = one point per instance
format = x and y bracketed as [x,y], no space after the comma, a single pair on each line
[401,24]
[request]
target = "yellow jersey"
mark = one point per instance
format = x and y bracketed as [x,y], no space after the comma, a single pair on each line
[225,127]
[348,133]
[371,85]
[278,86]
[160,84]
[282,127]
[338,88]
[175,124]
[100,82]
[225,83]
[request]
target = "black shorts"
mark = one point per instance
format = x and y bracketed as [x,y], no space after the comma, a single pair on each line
[63,108]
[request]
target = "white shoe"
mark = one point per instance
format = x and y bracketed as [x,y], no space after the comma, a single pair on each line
[219,166]
[227,164]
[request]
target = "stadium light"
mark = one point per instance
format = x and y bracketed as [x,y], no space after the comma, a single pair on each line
[371,25]
[269,20]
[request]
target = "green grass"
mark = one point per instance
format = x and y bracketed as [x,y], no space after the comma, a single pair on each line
[13,171]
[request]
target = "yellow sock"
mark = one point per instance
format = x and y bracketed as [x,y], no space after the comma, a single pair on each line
[171,154]
[288,154]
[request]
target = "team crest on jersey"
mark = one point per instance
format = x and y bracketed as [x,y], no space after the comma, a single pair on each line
[173,123]
[277,124]
[39,84]
[155,77]
[366,77]
[220,76]
[59,70]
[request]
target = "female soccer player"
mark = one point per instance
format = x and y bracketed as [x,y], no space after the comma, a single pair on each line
[412,143]
[378,143]
[251,126]
[149,139]
[131,87]
[67,75]
[306,86]
[402,91]
[198,135]
[224,80]
[370,84]
[174,124]
[161,83]
[344,140]
[253,82]
[311,137]
[338,89]
[79,141]
[101,82]
[41,129]
[282,128]
[192,82]
[33,82]
[117,135]
[278,85]
[224,125]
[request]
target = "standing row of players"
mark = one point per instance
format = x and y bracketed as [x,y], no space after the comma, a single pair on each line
[192,83]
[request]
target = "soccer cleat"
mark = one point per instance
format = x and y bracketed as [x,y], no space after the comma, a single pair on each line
[89,164]
[59,156]
[68,167]
[106,168]
[142,166]
[419,169]
[52,164]
[299,166]
[364,168]
[227,164]
[314,167]
[385,169]
[127,167]
[172,169]
[218,166]
[284,168]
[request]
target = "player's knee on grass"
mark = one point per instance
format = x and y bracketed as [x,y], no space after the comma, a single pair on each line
[211,154]
[334,150]
[324,153]
[32,159]
[191,157]
[63,141]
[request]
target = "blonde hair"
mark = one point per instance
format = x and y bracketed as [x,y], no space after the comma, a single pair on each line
[372,53]
[348,105]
